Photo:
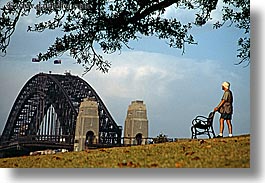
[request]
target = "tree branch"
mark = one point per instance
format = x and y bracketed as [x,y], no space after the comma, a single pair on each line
[155,7]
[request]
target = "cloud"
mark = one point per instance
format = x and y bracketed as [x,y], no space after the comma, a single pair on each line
[217,14]
[186,15]
[134,73]
[168,85]
[174,89]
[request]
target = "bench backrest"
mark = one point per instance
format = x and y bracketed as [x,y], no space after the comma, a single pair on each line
[210,118]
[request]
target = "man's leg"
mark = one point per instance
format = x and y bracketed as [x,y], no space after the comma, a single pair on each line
[229,124]
[221,126]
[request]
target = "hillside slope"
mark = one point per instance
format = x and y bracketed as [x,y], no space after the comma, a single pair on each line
[202,153]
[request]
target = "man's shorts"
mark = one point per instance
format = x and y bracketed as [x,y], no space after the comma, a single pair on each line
[226,116]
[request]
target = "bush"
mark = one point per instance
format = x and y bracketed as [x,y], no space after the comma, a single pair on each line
[160,138]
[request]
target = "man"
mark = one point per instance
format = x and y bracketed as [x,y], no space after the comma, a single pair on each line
[225,107]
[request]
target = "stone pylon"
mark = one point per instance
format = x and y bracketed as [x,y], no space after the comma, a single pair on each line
[87,124]
[136,124]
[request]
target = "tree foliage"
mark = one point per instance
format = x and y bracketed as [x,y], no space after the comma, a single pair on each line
[111,24]
[237,12]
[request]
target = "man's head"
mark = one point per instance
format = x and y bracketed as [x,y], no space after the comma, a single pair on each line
[225,85]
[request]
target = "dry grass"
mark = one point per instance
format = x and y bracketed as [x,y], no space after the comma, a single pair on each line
[207,153]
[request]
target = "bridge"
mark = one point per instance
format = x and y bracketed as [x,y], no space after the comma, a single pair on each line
[44,116]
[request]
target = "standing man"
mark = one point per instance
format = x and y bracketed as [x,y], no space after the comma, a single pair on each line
[225,107]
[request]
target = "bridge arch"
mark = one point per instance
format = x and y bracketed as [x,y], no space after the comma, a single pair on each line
[46,109]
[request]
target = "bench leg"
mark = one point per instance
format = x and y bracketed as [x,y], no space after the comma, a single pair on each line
[193,133]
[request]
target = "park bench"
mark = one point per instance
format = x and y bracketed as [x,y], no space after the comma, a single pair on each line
[202,125]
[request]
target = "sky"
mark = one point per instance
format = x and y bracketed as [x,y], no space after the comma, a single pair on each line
[175,87]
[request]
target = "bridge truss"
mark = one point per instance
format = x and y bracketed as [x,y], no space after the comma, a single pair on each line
[44,115]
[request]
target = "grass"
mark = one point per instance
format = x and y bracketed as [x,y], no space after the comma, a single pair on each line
[200,153]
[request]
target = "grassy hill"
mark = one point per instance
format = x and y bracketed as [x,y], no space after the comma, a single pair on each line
[202,153]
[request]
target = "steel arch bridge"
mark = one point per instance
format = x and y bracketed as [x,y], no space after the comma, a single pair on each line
[44,115]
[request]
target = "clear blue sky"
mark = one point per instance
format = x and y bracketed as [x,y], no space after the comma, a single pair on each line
[174,87]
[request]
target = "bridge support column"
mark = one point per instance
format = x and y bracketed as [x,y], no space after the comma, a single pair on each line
[87,125]
[136,124]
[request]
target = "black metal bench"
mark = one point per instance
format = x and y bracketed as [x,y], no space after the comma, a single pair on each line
[202,125]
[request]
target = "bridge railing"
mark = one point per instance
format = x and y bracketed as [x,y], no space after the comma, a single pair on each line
[127,141]
[68,140]
[57,139]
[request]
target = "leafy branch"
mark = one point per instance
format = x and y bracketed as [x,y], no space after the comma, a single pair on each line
[111,24]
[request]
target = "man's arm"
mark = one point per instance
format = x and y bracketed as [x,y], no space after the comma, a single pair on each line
[220,105]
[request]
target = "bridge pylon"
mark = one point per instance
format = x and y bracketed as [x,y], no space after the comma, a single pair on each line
[87,125]
[136,124]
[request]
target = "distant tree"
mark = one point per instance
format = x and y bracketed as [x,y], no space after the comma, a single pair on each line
[111,24]
[161,138]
